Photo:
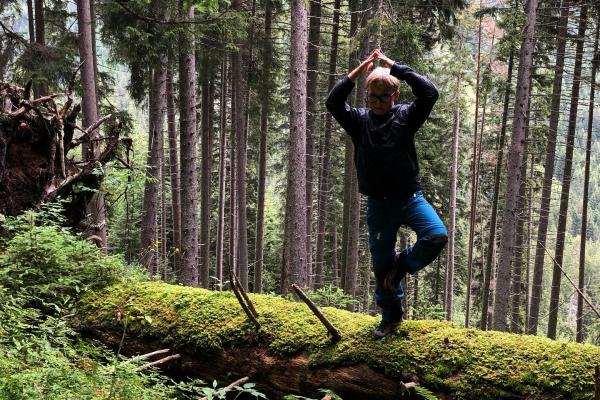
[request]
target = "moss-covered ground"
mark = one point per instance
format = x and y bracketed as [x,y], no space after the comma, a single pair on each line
[464,363]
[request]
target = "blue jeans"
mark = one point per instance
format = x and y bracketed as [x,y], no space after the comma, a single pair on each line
[384,217]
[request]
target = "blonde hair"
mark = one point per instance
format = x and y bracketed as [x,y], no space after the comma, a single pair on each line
[380,77]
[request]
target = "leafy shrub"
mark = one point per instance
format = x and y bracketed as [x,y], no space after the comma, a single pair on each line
[331,296]
[55,267]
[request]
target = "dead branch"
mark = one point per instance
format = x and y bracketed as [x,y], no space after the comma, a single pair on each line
[14,35]
[240,298]
[240,381]
[86,169]
[147,355]
[569,279]
[245,295]
[158,362]
[330,328]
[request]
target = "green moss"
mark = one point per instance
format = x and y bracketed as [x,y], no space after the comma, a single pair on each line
[466,363]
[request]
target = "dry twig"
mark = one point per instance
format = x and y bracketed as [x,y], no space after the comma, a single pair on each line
[241,299]
[240,381]
[158,362]
[569,279]
[330,328]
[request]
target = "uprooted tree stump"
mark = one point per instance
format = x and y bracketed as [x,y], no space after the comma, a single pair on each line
[37,142]
[292,353]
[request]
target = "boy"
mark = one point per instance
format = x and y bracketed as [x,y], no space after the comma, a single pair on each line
[388,173]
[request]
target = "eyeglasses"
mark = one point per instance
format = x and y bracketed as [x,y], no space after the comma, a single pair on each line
[372,98]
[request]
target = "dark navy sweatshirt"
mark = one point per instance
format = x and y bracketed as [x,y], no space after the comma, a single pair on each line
[384,145]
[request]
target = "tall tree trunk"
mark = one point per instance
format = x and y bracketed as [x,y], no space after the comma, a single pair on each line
[295,256]
[93,29]
[449,299]
[262,157]
[517,270]
[222,177]
[324,184]
[312,99]
[515,159]
[555,111]
[95,205]
[233,227]
[527,289]
[206,167]
[149,225]
[188,142]
[491,249]
[580,331]
[567,173]
[352,248]
[349,170]
[164,256]
[239,128]
[40,38]
[31,21]
[174,168]
[474,182]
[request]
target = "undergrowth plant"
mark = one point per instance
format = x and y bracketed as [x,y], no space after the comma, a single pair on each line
[44,270]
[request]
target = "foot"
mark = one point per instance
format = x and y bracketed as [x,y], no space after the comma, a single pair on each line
[384,329]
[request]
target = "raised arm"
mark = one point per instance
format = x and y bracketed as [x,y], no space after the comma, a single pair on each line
[336,103]
[422,88]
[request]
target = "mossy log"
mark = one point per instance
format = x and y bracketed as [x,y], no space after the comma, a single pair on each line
[293,354]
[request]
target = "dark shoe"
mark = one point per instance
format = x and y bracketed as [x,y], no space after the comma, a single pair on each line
[384,329]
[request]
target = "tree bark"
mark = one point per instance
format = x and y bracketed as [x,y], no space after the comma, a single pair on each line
[96,206]
[174,168]
[555,111]
[222,177]
[474,182]
[515,159]
[262,157]
[517,269]
[206,166]
[239,129]
[41,88]
[491,248]
[312,99]
[188,275]
[567,173]
[31,21]
[295,214]
[449,299]
[580,333]
[150,214]
[324,173]
[349,170]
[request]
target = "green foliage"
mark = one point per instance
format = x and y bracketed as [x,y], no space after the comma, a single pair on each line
[331,296]
[54,267]
[43,271]
[424,393]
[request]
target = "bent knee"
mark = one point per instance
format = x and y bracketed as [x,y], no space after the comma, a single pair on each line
[437,242]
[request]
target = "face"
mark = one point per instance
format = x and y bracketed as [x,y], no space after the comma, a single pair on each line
[380,99]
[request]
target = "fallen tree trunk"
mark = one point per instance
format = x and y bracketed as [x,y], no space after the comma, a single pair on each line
[292,353]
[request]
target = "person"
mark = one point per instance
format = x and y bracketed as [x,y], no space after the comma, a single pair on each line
[387,169]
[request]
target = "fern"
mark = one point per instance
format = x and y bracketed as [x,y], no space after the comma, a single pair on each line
[424,393]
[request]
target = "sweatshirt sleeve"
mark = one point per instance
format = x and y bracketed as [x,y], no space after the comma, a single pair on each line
[340,109]
[422,88]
